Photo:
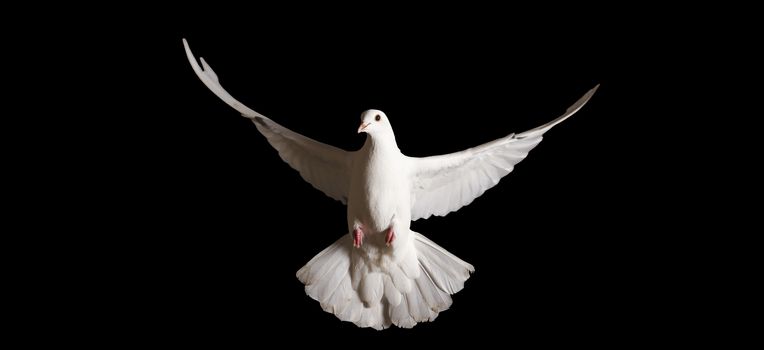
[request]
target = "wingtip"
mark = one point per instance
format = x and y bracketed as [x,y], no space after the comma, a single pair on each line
[190,55]
[588,95]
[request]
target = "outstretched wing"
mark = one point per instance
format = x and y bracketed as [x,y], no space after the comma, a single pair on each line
[445,183]
[325,167]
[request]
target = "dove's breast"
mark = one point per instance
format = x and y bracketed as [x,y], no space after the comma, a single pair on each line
[380,190]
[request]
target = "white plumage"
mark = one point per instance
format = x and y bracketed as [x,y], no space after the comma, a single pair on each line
[384,273]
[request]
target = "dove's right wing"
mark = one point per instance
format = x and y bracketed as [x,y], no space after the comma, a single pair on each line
[445,183]
[325,167]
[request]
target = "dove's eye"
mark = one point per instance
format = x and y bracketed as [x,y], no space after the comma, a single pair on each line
[377,118]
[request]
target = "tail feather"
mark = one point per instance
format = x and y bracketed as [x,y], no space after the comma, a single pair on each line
[358,269]
[310,273]
[330,280]
[447,271]
[374,317]
[401,315]
[340,298]
[392,294]
[400,281]
[372,288]
[434,296]
[413,290]
[350,311]
[418,307]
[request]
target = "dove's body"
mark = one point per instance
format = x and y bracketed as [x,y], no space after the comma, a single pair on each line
[387,279]
[377,165]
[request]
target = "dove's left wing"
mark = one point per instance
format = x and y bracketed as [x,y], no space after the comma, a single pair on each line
[325,167]
[445,183]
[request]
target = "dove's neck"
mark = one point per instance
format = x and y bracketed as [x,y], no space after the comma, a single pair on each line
[381,144]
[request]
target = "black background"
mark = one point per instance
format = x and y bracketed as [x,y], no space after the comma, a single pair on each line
[211,225]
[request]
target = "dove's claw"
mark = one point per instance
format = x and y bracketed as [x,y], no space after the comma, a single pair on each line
[357,238]
[390,236]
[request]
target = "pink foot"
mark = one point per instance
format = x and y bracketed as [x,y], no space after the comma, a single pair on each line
[357,238]
[389,237]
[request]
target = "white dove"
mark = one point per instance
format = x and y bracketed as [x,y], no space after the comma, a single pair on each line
[385,273]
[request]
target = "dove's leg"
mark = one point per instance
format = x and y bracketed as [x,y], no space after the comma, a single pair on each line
[390,236]
[390,232]
[357,237]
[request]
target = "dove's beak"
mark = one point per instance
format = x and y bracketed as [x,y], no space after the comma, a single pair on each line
[362,128]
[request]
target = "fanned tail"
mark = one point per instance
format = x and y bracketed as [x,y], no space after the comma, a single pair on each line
[414,289]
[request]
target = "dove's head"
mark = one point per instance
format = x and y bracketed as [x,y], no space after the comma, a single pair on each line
[374,122]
